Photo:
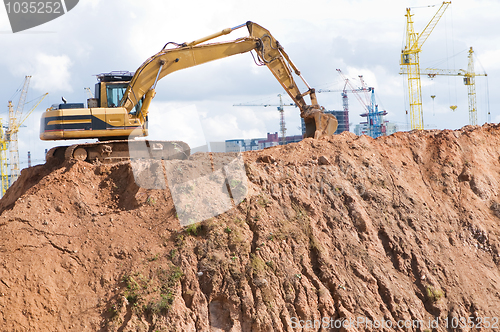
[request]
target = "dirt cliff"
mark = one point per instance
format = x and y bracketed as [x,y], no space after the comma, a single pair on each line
[345,230]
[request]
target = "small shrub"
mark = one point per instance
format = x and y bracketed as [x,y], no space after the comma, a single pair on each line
[234,183]
[131,293]
[167,279]
[236,236]
[257,264]
[154,258]
[238,221]
[176,274]
[179,240]
[170,276]
[113,310]
[433,294]
[194,229]
[264,202]
[162,305]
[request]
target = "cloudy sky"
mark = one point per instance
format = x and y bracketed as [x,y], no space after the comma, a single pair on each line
[360,37]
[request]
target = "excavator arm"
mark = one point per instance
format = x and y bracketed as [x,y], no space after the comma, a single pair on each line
[269,52]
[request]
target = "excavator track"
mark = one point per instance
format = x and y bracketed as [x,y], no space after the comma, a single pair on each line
[110,152]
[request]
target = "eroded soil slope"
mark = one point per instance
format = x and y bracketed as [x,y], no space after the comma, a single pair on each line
[404,228]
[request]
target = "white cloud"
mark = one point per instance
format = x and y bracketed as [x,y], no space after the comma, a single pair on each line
[219,127]
[4,21]
[52,73]
[488,60]
[90,3]
[176,122]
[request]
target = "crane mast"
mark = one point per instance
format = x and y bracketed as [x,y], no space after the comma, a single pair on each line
[410,63]
[470,81]
[3,160]
[282,121]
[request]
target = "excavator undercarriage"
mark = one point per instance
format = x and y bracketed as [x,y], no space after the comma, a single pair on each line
[120,150]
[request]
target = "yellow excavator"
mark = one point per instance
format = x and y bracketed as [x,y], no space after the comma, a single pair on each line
[119,110]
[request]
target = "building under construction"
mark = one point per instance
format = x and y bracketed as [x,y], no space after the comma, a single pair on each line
[342,118]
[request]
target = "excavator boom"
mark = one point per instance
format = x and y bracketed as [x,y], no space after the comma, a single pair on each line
[270,53]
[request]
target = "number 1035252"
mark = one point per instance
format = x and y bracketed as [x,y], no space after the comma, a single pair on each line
[472,322]
[34,7]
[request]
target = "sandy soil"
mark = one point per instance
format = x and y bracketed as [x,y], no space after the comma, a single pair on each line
[402,229]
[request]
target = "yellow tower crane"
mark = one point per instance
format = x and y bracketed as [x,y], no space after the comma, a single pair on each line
[14,115]
[469,80]
[16,119]
[410,64]
[3,161]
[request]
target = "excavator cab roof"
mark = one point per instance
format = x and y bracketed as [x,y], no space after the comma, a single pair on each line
[115,76]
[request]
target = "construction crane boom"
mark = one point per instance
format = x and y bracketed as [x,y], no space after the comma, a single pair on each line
[469,80]
[410,63]
[21,121]
[433,72]
[355,90]
[422,37]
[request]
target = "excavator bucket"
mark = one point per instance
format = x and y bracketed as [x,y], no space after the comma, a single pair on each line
[320,124]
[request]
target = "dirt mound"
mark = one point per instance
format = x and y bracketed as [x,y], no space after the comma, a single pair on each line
[342,231]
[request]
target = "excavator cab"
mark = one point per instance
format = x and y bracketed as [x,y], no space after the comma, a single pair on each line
[103,116]
[111,87]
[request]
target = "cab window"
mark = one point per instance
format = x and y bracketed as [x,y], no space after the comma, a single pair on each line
[115,94]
